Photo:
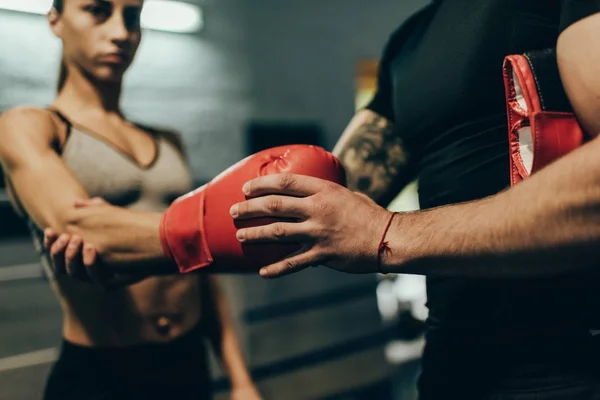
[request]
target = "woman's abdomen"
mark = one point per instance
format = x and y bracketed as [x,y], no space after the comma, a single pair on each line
[157,309]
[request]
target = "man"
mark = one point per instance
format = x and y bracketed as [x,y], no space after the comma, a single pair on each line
[512,276]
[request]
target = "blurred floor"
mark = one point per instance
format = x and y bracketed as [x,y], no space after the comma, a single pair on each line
[30,327]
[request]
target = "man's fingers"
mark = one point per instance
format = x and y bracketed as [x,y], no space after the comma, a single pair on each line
[292,264]
[275,232]
[271,206]
[288,184]
[57,253]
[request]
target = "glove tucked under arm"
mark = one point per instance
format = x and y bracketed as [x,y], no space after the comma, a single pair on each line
[541,124]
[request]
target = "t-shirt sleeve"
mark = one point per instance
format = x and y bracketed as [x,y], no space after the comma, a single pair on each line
[575,10]
[382,103]
[383,100]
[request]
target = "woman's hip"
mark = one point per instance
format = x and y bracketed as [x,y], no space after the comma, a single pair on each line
[178,368]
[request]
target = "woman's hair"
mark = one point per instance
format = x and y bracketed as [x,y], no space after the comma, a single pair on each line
[62,72]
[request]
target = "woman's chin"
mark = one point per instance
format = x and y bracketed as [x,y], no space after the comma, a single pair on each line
[110,74]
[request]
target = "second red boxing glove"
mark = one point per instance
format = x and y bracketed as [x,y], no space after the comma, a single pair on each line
[197,231]
[542,125]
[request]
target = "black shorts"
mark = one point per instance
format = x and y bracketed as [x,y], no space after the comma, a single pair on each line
[175,370]
[536,368]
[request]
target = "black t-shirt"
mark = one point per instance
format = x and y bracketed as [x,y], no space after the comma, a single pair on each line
[441,85]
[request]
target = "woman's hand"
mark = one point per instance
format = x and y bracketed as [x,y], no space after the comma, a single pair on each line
[73,257]
[69,254]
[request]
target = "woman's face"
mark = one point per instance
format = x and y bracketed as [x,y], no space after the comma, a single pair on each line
[99,36]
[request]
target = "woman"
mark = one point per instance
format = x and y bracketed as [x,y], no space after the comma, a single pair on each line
[145,340]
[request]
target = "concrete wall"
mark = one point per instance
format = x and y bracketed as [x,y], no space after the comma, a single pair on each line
[304,54]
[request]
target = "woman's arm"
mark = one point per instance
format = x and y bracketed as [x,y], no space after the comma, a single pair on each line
[223,338]
[47,190]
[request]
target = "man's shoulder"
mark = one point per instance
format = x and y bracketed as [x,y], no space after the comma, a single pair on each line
[399,36]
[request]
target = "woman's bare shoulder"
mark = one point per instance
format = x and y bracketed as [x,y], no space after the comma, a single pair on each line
[26,125]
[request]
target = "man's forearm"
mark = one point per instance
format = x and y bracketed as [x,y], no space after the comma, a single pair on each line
[120,236]
[547,225]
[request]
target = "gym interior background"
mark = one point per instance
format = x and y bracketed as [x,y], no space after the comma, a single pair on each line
[258,73]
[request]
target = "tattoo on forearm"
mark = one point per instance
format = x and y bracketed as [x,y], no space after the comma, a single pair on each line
[373,158]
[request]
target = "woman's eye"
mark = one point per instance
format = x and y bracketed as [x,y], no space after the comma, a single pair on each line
[97,11]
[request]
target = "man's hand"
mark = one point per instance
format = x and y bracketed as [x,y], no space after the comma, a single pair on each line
[335,226]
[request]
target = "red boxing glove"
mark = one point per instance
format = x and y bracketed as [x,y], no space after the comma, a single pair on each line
[541,123]
[197,230]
